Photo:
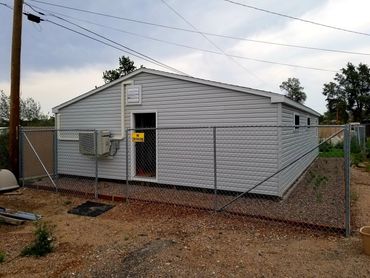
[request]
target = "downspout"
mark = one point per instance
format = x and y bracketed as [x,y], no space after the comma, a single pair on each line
[123,133]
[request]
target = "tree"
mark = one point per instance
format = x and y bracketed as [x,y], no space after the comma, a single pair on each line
[294,90]
[349,95]
[4,106]
[125,67]
[30,110]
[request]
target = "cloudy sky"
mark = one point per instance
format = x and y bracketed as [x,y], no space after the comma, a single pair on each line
[58,64]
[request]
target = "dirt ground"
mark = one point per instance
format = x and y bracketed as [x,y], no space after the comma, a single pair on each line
[153,240]
[309,202]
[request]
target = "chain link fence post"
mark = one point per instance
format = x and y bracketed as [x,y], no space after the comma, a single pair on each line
[347,173]
[96,163]
[215,167]
[127,176]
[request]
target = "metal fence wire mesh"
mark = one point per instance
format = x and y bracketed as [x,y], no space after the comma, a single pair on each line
[296,175]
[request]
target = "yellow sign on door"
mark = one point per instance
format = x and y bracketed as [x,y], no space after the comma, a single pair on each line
[138,137]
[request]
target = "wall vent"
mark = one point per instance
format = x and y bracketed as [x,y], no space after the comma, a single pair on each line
[133,94]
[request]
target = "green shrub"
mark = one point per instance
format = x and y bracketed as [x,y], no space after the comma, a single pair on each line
[43,243]
[319,181]
[355,146]
[325,147]
[4,161]
[339,145]
[354,197]
[2,257]
[357,158]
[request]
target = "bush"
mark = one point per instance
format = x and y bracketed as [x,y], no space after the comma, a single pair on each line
[326,147]
[2,257]
[357,158]
[355,146]
[43,243]
[4,157]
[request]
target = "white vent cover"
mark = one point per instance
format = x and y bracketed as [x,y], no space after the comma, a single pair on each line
[133,94]
[88,146]
[87,142]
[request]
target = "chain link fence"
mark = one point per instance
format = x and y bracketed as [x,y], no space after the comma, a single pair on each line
[282,174]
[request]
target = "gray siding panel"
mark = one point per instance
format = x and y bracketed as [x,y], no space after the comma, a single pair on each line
[185,157]
[294,143]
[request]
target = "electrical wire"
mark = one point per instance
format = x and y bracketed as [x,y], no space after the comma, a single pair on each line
[137,54]
[51,13]
[297,18]
[164,41]
[206,50]
[125,47]
[110,45]
[206,33]
[6,5]
[210,41]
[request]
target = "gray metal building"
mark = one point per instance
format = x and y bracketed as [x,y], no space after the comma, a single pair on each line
[184,157]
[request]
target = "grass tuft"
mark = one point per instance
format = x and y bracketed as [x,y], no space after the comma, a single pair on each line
[2,256]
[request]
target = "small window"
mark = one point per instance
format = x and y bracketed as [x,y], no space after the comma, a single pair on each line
[133,95]
[296,121]
[308,122]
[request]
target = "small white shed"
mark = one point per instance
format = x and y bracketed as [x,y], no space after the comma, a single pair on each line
[254,148]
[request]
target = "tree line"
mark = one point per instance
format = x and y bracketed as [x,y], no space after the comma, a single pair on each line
[347,97]
[30,112]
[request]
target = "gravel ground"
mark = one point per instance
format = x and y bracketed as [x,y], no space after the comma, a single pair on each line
[312,202]
[141,240]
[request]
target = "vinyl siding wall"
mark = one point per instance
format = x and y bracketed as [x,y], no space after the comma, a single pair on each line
[245,156]
[294,143]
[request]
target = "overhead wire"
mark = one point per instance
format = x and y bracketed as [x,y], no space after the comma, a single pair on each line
[159,40]
[204,32]
[6,5]
[210,41]
[188,46]
[95,39]
[125,48]
[297,18]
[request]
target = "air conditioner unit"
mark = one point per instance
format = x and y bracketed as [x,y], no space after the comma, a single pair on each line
[87,142]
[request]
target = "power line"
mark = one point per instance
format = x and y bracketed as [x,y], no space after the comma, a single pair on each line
[52,13]
[199,49]
[127,49]
[297,18]
[6,5]
[206,33]
[210,41]
[95,39]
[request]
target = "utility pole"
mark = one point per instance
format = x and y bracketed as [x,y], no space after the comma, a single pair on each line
[14,86]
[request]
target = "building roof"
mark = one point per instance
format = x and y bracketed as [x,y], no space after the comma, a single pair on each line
[275,98]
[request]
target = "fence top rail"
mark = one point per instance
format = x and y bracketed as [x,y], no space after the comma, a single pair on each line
[238,126]
[59,130]
[26,129]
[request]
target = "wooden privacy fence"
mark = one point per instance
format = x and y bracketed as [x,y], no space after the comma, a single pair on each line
[326,132]
[43,143]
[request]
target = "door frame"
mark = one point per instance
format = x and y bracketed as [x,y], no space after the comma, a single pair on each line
[133,150]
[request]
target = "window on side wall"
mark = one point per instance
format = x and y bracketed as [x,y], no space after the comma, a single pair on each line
[296,121]
[308,122]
